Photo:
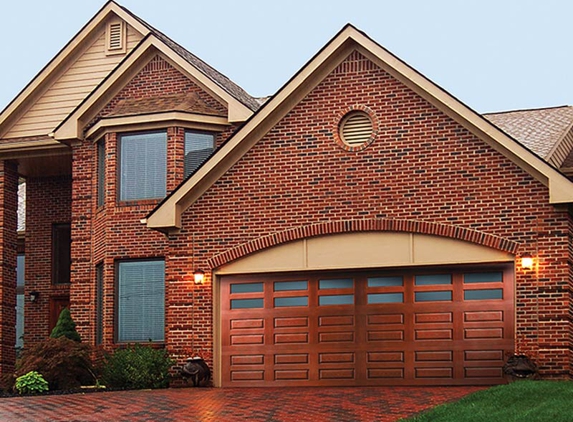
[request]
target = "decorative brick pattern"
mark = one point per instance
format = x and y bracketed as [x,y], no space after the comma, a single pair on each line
[344,226]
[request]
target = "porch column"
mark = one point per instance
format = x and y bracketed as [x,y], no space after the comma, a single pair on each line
[8,253]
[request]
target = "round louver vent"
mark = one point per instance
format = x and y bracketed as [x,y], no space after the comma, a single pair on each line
[356,128]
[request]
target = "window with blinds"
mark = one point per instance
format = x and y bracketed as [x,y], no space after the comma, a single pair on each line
[101,173]
[99,304]
[143,166]
[198,147]
[141,301]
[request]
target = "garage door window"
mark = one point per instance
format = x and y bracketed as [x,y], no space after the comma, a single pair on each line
[246,303]
[385,298]
[491,277]
[433,279]
[485,294]
[281,302]
[385,281]
[247,288]
[434,296]
[290,286]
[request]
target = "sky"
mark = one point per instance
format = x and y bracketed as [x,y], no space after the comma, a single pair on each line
[493,55]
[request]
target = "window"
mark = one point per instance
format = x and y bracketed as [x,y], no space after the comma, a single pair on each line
[101,173]
[198,147]
[141,301]
[99,304]
[143,166]
[61,253]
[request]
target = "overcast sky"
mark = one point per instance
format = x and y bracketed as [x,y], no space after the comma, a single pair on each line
[491,54]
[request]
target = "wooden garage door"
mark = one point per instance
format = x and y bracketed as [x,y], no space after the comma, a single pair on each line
[415,327]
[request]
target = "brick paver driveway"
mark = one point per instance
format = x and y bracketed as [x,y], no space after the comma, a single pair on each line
[358,404]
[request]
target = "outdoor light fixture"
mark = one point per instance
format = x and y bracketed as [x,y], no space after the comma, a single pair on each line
[526,261]
[34,296]
[199,275]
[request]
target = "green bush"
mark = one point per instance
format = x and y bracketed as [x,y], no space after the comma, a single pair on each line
[31,383]
[65,327]
[136,367]
[64,363]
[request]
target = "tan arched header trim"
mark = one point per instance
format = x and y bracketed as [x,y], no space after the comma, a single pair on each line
[374,225]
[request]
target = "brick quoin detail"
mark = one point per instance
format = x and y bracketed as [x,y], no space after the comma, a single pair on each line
[347,226]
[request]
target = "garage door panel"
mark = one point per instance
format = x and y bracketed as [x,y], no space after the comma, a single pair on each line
[483,316]
[237,324]
[434,356]
[388,335]
[289,322]
[335,320]
[443,372]
[385,373]
[433,336]
[434,317]
[485,333]
[242,360]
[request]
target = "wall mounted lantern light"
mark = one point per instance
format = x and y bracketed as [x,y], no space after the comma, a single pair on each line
[34,296]
[526,261]
[198,276]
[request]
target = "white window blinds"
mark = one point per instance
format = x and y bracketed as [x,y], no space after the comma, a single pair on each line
[143,166]
[141,302]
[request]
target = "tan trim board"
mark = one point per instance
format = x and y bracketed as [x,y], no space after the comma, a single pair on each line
[364,250]
[156,120]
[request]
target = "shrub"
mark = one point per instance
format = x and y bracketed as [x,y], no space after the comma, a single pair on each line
[65,327]
[64,363]
[136,367]
[31,383]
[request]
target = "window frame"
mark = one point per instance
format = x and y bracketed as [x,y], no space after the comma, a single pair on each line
[187,172]
[117,312]
[120,140]
[57,271]
[101,168]
[99,274]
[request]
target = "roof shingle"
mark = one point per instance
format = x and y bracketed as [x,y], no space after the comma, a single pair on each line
[540,130]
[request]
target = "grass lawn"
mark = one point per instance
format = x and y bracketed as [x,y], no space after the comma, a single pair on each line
[524,401]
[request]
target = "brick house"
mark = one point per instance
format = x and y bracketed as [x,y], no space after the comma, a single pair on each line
[361,227]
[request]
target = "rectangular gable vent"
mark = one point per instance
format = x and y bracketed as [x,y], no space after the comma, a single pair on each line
[115,38]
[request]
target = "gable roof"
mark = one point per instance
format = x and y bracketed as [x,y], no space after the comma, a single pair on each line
[217,77]
[544,130]
[242,107]
[46,77]
[167,215]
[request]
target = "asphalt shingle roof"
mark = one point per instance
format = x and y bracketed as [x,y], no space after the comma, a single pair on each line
[539,130]
[224,82]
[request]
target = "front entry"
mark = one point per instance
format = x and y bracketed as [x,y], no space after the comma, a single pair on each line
[416,326]
[57,305]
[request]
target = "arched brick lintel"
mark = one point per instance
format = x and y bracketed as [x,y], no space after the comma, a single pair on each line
[348,226]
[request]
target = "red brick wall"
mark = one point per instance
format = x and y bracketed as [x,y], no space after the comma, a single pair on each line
[8,249]
[422,166]
[114,231]
[49,202]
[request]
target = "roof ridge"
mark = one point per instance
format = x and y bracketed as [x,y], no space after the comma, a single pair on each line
[217,77]
[526,109]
